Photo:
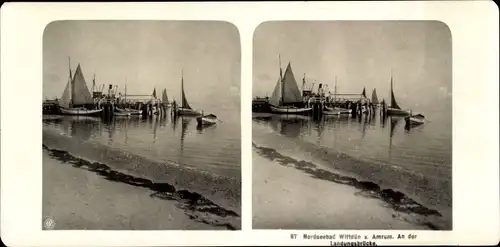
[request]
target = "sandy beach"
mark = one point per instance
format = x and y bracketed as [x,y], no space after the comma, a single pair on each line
[104,192]
[78,199]
[286,197]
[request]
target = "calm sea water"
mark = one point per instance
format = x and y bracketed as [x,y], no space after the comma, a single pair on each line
[416,161]
[215,149]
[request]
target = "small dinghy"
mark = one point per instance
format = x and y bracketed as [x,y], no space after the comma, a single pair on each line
[415,120]
[121,114]
[209,119]
[336,111]
[129,110]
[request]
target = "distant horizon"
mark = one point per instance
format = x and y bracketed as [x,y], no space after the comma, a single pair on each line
[145,55]
[361,54]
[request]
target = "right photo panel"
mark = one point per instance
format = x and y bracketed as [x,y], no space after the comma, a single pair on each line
[352,125]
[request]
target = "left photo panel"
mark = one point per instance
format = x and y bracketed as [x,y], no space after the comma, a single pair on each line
[141,125]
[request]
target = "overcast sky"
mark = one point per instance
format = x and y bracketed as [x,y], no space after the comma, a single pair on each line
[359,53]
[145,54]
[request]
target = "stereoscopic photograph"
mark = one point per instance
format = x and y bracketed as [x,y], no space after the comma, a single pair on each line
[141,125]
[352,125]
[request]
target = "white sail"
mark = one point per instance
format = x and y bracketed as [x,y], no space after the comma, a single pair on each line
[66,96]
[80,91]
[287,90]
[291,92]
[276,97]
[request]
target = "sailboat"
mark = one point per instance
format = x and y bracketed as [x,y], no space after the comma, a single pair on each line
[185,108]
[77,93]
[394,109]
[164,98]
[336,110]
[374,97]
[286,91]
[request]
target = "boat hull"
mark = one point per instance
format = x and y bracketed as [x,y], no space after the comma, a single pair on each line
[414,121]
[336,111]
[289,110]
[206,121]
[79,112]
[130,111]
[187,112]
[397,112]
[122,114]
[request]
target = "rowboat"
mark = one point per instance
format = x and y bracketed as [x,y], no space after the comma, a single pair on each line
[336,111]
[287,92]
[207,119]
[129,110]
[121,114]
[340,110]
[415,120]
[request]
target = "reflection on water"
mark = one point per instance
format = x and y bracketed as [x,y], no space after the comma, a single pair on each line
[367,133]
[419,159]
[216,150]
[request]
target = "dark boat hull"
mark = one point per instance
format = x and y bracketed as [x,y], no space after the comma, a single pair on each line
[397,112]
[187,112]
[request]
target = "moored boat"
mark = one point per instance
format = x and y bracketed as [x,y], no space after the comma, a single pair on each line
[414,120]
[374,98]
[164,98]
[121,114]
[79,111]
[394,109]
[185,108]
[289,110]
[187,112]
[336,111]
[129,110]
[77,93]
[209,119]
[286,93]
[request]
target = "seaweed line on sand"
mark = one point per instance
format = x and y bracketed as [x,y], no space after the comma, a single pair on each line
[194,205]
[395,199]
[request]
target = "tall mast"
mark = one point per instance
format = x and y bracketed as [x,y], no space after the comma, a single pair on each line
[125,89]
[69,66]
[335,91]
[303,83]
[391,83]
[281,81]
[182,88]
[93,85]
[72,86]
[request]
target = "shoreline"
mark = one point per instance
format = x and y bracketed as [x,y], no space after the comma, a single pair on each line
[214,206]
[317,179]
[430,189]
